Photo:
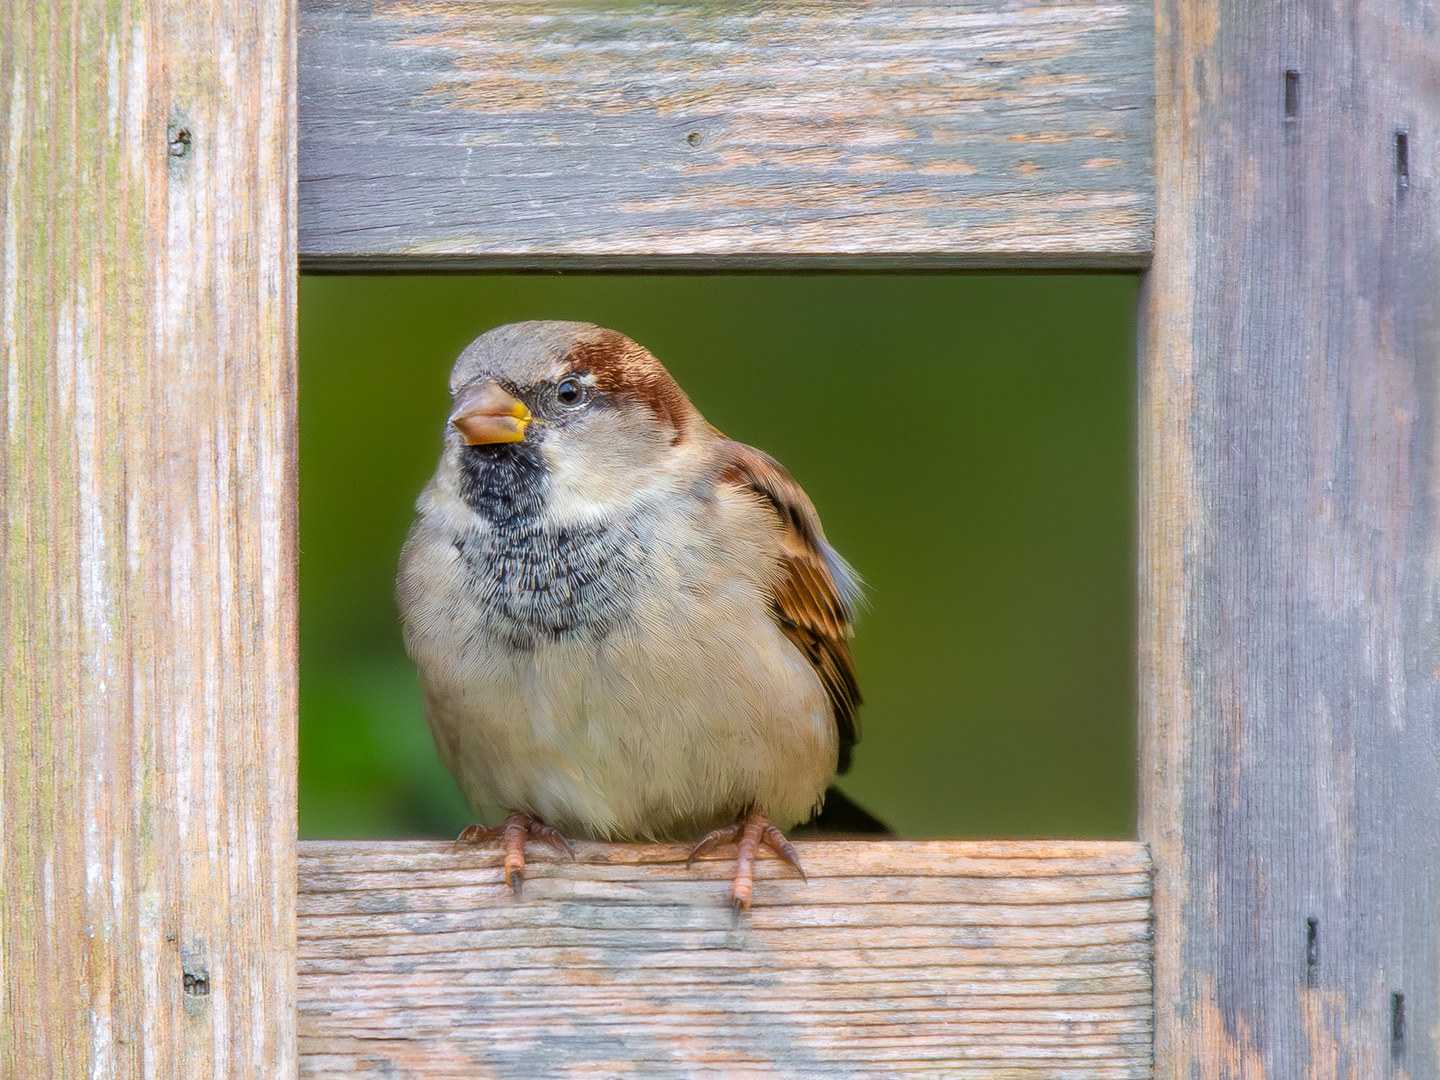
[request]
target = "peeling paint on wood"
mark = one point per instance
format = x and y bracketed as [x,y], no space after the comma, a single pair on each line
[147,512]
[544,133]
[1290,540]
[942,958]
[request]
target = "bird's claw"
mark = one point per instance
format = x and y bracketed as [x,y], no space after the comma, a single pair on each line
[776,842]
[513,833]
[724,835]
[750,832]
[476,834]
[552,836]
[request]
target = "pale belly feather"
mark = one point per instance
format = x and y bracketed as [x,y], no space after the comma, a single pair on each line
[686,708]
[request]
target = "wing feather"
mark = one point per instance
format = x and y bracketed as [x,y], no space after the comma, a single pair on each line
[814,595]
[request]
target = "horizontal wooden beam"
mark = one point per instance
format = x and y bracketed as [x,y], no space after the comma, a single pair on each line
[546,134]
[918,959]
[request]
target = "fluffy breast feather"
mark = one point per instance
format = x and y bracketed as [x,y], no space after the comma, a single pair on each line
[625,678]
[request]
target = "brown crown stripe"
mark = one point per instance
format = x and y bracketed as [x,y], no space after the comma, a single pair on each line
[624,369]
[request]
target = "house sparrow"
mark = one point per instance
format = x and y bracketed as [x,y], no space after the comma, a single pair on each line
[627,626]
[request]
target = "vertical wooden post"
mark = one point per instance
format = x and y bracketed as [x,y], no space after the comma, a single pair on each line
[147,656]
[1290,546]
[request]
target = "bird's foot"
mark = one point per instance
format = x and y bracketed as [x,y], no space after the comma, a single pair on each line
[750,832]
[513,833]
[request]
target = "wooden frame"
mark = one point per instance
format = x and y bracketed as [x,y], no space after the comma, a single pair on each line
[818,134]
[1288,466]
[1289,538]
[147,861]
[918,959]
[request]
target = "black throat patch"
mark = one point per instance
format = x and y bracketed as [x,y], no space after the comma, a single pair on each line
[503,481]
[538,582]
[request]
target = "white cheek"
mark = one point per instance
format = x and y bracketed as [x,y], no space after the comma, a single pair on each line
[595,471]
[578,493]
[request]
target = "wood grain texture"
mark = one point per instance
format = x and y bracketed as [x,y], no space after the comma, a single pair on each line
[1290,556]
[810,133]
[943,958]
[147,515]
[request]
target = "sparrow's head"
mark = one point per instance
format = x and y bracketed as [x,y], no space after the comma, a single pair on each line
[562,418]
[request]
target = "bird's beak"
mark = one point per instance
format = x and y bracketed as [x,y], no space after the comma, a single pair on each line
[485,413]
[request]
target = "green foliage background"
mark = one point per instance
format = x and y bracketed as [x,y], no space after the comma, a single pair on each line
[968,440]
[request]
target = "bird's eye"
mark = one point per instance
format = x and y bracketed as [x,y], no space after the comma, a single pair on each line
[570,392]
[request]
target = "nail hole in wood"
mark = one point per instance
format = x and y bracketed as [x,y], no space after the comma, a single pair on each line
[1397,1024]
[1312,950]
[1292,94]
[179,141]
[195,971]
[1402,158]
[694,138]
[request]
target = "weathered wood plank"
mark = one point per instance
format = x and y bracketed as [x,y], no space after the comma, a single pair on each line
[147,509]
[1290,556]
[414,962]
[625,135]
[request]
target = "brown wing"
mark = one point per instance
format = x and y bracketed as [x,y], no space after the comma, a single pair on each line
[814,594]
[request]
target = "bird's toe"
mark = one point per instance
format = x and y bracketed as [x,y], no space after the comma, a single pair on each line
[751,832]
[517,828]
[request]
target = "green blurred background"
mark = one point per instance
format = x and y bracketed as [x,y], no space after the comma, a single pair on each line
[967,439]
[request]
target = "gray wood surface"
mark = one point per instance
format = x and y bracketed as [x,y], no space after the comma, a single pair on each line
[147,547]
[1290,554]
[629,134]
[934,959]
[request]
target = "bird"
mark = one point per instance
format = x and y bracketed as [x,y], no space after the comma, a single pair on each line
[627,627]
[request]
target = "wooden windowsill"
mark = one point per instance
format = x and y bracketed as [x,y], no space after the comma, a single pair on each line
[954,958]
